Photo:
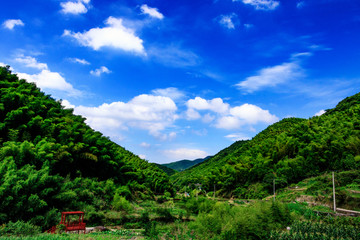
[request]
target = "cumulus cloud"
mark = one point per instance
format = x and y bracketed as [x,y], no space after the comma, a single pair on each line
[78,7]
[152,12]
[185,153]
[80,61]
[271,76]
[171,92]
[262,4]
[319,113]
[216,105]
[227,117]
[252,114]
[11,23]
[148,112]
[31,62]
[67,104]
[99,71]
[115,35]
[228,21]
[50,80]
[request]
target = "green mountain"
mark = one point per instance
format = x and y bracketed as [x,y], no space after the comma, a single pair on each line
[184,164]
[51,161]
[168,171]
[287,151]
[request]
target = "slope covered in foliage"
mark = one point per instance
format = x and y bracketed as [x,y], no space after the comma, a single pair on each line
[51,161]
[184,164]
[289,151]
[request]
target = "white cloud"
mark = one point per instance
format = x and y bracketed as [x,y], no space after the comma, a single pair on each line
[114,35]
[31,62]
[237,137]
[50,80]
[78,60]
[149,112]
[185,153]
[99,71]
[227,21]
[319,113]
[216,105]
[252,114]
[227,117]
[152,12]
[192,114]
[171,92]
[261,4]
[11,23]
[75,8]
[67,104]
[142,156]
[272,76]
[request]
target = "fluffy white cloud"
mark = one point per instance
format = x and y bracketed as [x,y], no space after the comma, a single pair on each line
[67,104]
[28,61]
[152,12]
[78,7]
[216,105]
[252,114]
[11,23]
[185,153]
[227,117]
[319,113]
[171,92]
[192,114]
[99,71]
[149,112]
[50,80]
[272,76]
[142,156]
[262,4]
[227,21]
[114,35]
[78,60]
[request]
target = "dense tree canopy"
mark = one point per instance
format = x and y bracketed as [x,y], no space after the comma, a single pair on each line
[288,151]
[51,160]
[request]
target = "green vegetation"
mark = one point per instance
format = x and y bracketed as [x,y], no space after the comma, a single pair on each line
[288,151]
[51,161]
[184,164]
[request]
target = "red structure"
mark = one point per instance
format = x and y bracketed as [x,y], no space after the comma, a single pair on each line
[71,223]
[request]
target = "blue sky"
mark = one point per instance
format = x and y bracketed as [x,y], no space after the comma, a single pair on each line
[171,80]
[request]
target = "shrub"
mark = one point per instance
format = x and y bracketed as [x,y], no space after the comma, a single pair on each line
[121,204]
[19,228]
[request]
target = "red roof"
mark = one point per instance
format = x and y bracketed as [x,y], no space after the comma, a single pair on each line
[75,212]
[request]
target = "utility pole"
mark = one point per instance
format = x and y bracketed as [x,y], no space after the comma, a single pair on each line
[333,180]
[274,189]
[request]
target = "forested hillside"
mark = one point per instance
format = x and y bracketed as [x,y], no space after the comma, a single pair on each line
[51,161]
[288,151]
[184,164]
